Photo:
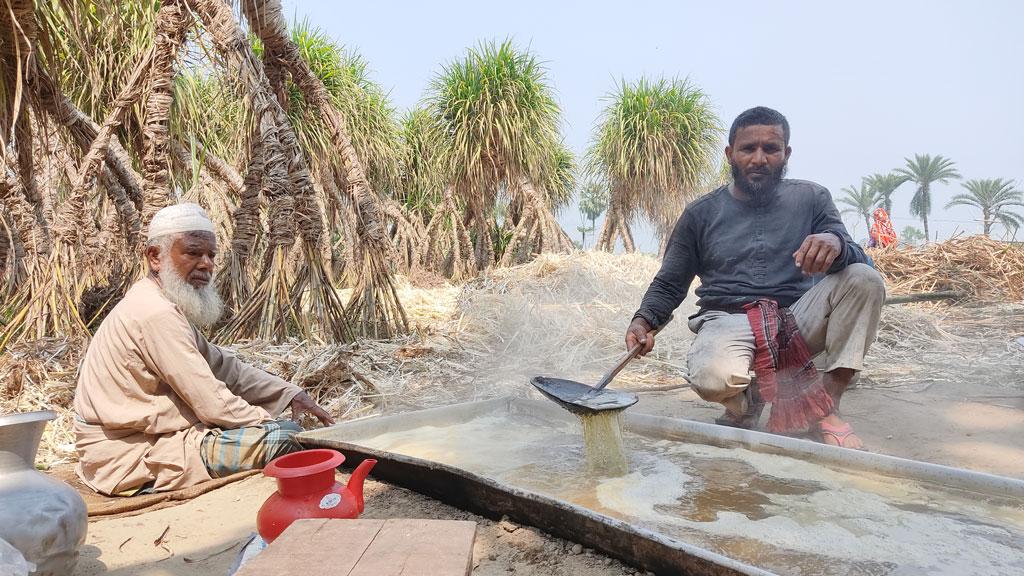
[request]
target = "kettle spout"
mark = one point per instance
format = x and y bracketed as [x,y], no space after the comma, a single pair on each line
[355,482]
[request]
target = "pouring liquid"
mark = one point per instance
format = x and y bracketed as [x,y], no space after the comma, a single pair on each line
[602,443]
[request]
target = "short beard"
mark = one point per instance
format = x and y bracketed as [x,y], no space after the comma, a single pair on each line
[762,192]
[202,306]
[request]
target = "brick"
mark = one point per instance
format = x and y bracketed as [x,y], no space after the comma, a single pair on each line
[393,547]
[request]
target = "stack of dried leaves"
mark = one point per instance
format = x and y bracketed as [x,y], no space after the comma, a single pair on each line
[976,265]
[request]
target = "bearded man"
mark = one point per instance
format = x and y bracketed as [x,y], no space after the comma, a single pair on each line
[157,406]
[764,238]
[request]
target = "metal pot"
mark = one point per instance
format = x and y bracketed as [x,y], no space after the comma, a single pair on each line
[44,518]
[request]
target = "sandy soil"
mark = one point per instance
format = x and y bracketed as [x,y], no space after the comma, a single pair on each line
[204,535]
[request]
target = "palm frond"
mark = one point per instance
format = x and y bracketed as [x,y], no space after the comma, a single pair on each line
[993,197]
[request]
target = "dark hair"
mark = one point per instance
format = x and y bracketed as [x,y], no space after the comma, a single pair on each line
[759,116]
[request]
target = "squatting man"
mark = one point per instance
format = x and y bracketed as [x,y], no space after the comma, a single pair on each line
[765,237]
[157,406]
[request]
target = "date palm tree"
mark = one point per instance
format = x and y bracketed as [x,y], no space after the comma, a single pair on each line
[884,186]
[993,197]
[593,203]
[924,170]
[861,200]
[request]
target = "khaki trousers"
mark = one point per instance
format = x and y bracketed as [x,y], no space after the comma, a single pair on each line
[838,317]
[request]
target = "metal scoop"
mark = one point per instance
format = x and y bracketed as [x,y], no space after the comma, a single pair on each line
[582,399]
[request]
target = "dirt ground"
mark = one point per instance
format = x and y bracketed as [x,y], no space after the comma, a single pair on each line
[943,385]
[204,535]
[973,421]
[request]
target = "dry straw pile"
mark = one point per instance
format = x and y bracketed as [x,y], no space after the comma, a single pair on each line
[978,266]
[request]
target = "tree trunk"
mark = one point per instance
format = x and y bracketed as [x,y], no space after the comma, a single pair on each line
[215,164]
[288,187]
[268,23]
[73,225]
[447,238]
[83,131]
[607,235]
[17,224]
[18,50]
[627,238]
[924,221]
[172,21]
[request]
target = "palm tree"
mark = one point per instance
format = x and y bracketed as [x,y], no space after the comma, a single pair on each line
[993,197]
[862,200]
[368,113]
[593,203]
[884,185]
[374,304]
[656,145]
[258,135]
[923,170]
[420,178]
[498,122]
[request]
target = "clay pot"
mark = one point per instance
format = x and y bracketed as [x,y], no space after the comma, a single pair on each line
[306,489]
[44,518]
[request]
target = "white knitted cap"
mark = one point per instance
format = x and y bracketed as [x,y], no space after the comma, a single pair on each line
[186,217]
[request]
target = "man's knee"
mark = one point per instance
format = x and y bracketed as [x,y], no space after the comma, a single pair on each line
[717,381]
[282,440]
[865,279]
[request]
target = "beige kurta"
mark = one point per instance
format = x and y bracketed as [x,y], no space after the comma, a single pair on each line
[150,387]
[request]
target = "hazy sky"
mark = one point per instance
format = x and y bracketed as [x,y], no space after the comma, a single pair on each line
[864,84]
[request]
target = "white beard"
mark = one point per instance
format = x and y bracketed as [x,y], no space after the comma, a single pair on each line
[202,306]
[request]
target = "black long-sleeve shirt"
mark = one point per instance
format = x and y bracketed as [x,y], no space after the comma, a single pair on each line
[743,252]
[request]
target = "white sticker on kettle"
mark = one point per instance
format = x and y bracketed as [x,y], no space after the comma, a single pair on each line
[330,501]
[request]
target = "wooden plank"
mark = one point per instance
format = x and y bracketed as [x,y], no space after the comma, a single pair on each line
[313,547]
[406,547]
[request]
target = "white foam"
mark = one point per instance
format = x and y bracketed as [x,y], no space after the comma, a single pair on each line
[853,518]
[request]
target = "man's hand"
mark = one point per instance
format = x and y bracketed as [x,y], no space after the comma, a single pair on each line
[638,333]
[817,253]
[302,404]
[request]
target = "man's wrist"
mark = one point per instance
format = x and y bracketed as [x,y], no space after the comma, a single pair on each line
[842,250]
[645,318]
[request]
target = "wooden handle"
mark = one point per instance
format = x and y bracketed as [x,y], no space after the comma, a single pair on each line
[625,359]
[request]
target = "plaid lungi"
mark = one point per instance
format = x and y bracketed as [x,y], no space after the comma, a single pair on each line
[226,452]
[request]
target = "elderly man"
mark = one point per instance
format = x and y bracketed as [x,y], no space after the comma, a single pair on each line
[157,406]
[764,238]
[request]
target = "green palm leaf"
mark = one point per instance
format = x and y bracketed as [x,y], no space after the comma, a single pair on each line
[884,186]
[924,170]
[656,145]
[993,197]
[861,200]
[497,121]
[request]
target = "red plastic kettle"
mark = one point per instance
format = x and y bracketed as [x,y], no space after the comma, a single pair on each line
[306,489]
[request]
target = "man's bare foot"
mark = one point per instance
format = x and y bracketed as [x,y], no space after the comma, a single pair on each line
[837,432]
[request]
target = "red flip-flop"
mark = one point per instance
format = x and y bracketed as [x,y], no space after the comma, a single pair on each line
[840,433]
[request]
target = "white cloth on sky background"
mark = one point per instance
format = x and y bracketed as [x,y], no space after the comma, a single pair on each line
[177,218]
